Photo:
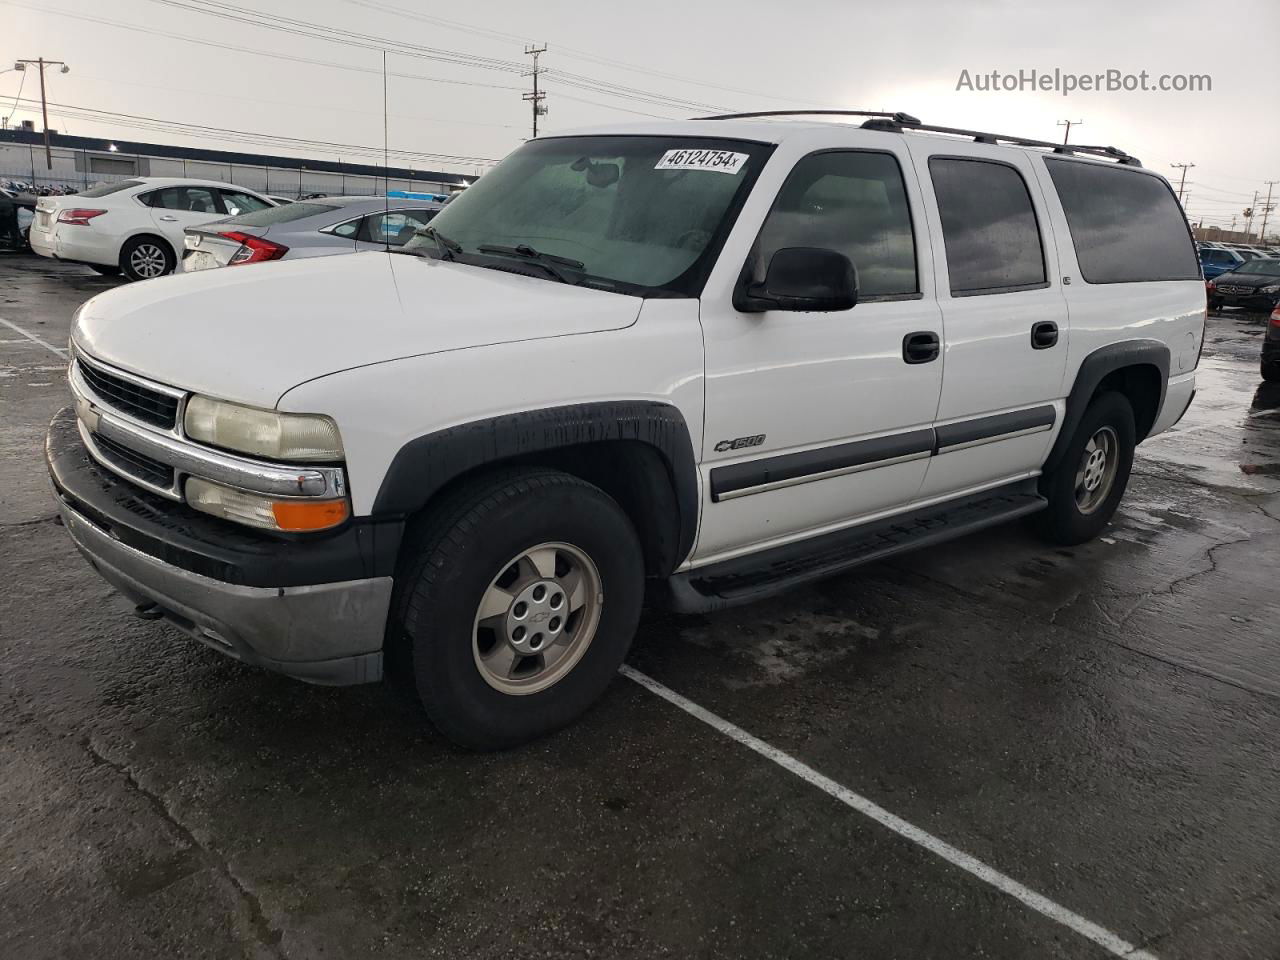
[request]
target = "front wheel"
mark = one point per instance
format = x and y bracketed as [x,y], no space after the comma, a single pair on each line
[1085,488]
[516,606]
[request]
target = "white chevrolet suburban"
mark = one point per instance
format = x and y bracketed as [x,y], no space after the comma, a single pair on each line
[713,358]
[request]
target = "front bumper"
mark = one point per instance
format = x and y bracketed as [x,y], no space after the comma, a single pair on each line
[314,608]
[1255,302]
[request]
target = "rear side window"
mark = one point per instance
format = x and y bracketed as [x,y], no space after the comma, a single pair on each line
[1126,226]
[853,203]
[989,227]
[285,213]
[104,189]
[189,199]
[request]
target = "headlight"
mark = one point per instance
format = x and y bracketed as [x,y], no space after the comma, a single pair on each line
[276,436]
[1274,288]
[270,513]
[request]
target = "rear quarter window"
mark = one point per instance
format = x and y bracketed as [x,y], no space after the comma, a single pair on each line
[1126,226]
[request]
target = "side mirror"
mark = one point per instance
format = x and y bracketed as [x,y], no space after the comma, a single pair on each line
[802,279]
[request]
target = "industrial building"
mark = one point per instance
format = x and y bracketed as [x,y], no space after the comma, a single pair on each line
[81,161]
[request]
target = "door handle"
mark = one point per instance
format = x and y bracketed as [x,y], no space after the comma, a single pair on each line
[1044,335]
[168,219]
[921,347]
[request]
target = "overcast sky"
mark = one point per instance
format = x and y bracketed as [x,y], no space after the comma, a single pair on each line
[738,54]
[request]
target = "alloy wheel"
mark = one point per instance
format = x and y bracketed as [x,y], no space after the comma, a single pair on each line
[1097,471]
[536,618]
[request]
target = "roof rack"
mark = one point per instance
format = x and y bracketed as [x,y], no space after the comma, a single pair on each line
[897,126]
[897,122]
[897,118]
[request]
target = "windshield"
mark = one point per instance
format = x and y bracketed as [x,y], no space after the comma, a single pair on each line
[635,214]
[1269,268]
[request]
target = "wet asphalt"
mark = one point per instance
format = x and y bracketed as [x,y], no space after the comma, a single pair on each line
[1099,723]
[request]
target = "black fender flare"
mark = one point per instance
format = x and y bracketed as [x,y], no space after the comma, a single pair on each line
[424,465]
[1093,370]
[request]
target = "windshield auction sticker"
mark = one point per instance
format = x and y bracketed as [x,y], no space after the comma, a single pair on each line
[719,161]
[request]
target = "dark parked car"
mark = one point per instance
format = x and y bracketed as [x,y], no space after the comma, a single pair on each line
[1254,285]
[1271,348]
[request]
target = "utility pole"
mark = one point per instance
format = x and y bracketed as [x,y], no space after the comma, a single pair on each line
[537,96]
[1266,210]
[1184,167]
[1068,124]
[1248,216]
[41,63]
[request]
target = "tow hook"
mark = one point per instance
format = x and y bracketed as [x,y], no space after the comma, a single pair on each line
[148,611]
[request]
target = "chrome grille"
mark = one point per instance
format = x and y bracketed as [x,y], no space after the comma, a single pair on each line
[139,402]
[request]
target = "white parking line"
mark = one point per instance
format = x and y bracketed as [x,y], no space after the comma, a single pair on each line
[1005,884]
[33,338]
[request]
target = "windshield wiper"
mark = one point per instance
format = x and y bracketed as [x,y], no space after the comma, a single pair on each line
[526,252]
[448,248]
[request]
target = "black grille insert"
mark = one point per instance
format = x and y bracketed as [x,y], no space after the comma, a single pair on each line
[149,406]
[133,463]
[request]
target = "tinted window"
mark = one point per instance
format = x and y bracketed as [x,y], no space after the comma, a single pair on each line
[989,227]
[103,189]
[396,228]
[1126,226]
[190,199]
[237,203]
[283,214]
[853,203]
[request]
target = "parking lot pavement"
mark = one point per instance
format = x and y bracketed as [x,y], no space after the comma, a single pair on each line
[1096,725]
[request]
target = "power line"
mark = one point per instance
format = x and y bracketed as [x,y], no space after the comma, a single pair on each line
[272,54]
[347,38]
[571,52]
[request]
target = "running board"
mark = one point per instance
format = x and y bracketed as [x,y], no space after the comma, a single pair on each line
[757,576]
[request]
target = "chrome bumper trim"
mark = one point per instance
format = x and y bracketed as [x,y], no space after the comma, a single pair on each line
[189,459]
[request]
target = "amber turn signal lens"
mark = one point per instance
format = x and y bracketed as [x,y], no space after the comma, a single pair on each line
[308,515]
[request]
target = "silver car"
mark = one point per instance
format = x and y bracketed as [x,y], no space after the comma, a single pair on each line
[307,228]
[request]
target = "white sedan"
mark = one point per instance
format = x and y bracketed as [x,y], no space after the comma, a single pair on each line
[134,227]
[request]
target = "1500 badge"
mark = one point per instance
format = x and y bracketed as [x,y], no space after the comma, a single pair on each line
[740,443]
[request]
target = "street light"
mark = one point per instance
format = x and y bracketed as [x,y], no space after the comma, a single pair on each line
[41,63]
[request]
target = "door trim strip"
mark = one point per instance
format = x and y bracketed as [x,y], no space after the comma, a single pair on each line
[789,469]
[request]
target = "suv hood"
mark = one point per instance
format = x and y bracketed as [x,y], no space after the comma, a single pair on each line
[251,333]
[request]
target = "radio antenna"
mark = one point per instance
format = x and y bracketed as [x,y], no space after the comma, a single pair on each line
[386,158]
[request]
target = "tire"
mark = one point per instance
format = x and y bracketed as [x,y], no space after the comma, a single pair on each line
[146,257]
[106,270]
[1215,305]
[1271,370]
[468,568]
[1077,511]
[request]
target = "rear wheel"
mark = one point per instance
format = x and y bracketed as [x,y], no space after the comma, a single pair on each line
[106,270]
[143,258]
[516,606]
[1085,488]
